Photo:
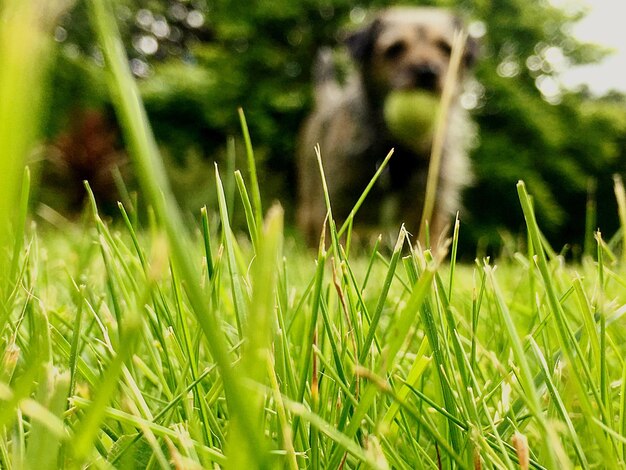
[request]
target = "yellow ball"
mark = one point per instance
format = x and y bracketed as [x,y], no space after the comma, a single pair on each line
[411,115]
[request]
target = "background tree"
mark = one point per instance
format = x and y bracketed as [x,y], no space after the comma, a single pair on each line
[199,60]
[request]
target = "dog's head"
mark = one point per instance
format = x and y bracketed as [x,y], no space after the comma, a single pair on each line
[408,48]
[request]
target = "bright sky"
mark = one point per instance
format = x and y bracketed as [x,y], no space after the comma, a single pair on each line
[603,25]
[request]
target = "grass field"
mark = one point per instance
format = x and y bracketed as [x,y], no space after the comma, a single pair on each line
[149,345]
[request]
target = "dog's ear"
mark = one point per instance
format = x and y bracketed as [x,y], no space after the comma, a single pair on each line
[360,43]
[472,48]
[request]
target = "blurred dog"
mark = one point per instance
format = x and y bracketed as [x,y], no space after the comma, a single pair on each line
[403,48]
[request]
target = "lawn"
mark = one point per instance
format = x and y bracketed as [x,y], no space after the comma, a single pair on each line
[268,355]
[146,343]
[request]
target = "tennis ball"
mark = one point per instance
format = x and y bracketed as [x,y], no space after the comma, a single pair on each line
[411,115]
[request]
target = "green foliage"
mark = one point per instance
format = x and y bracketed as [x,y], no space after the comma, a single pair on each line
[553,142]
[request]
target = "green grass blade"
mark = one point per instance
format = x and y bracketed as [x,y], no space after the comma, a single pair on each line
[434,165]
[22,213]
[247,209]
[254,182]
[206,237]
[382,298]
[26,50]
[239,296]
[453,254]
[43,444]
[350,219]
[605,391]
[304,365]
[258,332]
[622,412]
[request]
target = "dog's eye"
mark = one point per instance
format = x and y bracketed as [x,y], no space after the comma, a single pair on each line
[444,47]
[395,50]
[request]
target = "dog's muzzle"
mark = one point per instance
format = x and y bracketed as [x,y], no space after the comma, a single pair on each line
[425,76]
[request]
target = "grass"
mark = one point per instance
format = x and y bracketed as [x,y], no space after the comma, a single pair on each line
[154,346]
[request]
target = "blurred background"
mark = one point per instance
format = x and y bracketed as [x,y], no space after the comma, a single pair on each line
[547,96]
